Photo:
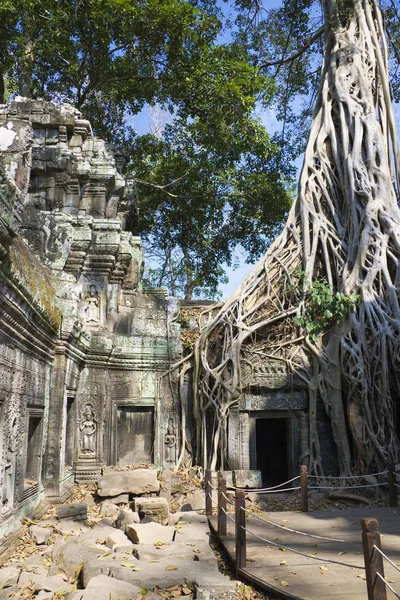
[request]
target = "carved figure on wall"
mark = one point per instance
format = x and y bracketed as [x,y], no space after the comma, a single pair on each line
[92,305]
[170,443]
[9,468]
[88,430]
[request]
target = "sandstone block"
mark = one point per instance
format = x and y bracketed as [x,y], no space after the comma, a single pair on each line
[127,517]
[69,555]
[247,479]
[150,533]
[117,538]
[138,482]
[177,486]
[76,512]
[116,588]
[195,502]
[8,577]
[120,499]
[40,535]
[109,509]
[155,508]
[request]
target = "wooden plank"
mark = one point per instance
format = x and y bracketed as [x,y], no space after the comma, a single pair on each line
[305,579]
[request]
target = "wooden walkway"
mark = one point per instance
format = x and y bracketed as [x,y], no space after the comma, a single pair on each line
[290,575]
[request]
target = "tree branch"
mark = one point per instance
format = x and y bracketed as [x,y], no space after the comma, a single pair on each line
[305,47]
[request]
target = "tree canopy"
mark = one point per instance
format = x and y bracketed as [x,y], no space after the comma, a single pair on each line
[215,178]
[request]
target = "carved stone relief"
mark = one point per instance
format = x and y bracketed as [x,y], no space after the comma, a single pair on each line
[170,444]
[88,429]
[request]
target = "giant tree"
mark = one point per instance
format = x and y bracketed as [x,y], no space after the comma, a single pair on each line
[324,300]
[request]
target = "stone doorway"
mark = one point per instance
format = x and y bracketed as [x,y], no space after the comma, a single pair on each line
[135,435]
[34,449]
[272,450]
[70,428]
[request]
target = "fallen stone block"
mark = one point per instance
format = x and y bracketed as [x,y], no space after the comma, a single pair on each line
[150,533]
[127,517]
[195,502]
[117,538]
[137,482]
[247,479]
[76,512]
[8,577]
[109,509]
[68,527]
[177,486]
[105,522]
[54,584]
[35,578]
[155,508]
[116,588]
[42,595]
[69,555]
[40,535]
[121,499]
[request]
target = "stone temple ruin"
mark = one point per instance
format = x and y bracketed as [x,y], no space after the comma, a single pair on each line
[82,347]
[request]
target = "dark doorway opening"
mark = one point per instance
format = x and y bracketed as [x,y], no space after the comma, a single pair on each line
[34,449]
[135,435]
[69,434]
[271,449]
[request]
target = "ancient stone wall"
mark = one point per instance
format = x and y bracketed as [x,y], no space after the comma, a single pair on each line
[82,347]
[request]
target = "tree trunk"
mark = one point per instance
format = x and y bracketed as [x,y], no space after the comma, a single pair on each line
[189,287]
[2,89]
[25,81]
[344,227]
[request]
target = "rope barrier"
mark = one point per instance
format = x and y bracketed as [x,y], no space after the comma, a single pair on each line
[318,537]
[324,560]
[348,476]
[261,490]
[228,515]
[388,585]
[284,490]
[386,557]
[227,499]
[344,487]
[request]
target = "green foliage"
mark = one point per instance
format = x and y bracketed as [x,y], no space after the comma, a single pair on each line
[323,307]
[211,178]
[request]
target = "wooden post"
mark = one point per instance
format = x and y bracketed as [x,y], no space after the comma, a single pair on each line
[303,489]
[222,506]
[373,560]
[240,537]
[392,485]
[208,492]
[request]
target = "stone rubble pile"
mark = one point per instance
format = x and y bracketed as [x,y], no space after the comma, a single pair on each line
[134,548]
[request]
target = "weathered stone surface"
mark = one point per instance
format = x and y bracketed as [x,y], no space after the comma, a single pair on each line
[137,481]
[105,522]
[195,502]
[40,535]
[121,499]
[155,508]
[75,512]
[109,509]
[117,538]
[127,517]
[247,479]
[177,486]
[68,555]
[8,576]
[116,588]
[149,533]
[43,595]
[34,578]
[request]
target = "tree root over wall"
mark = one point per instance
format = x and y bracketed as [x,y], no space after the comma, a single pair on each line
[344,227]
